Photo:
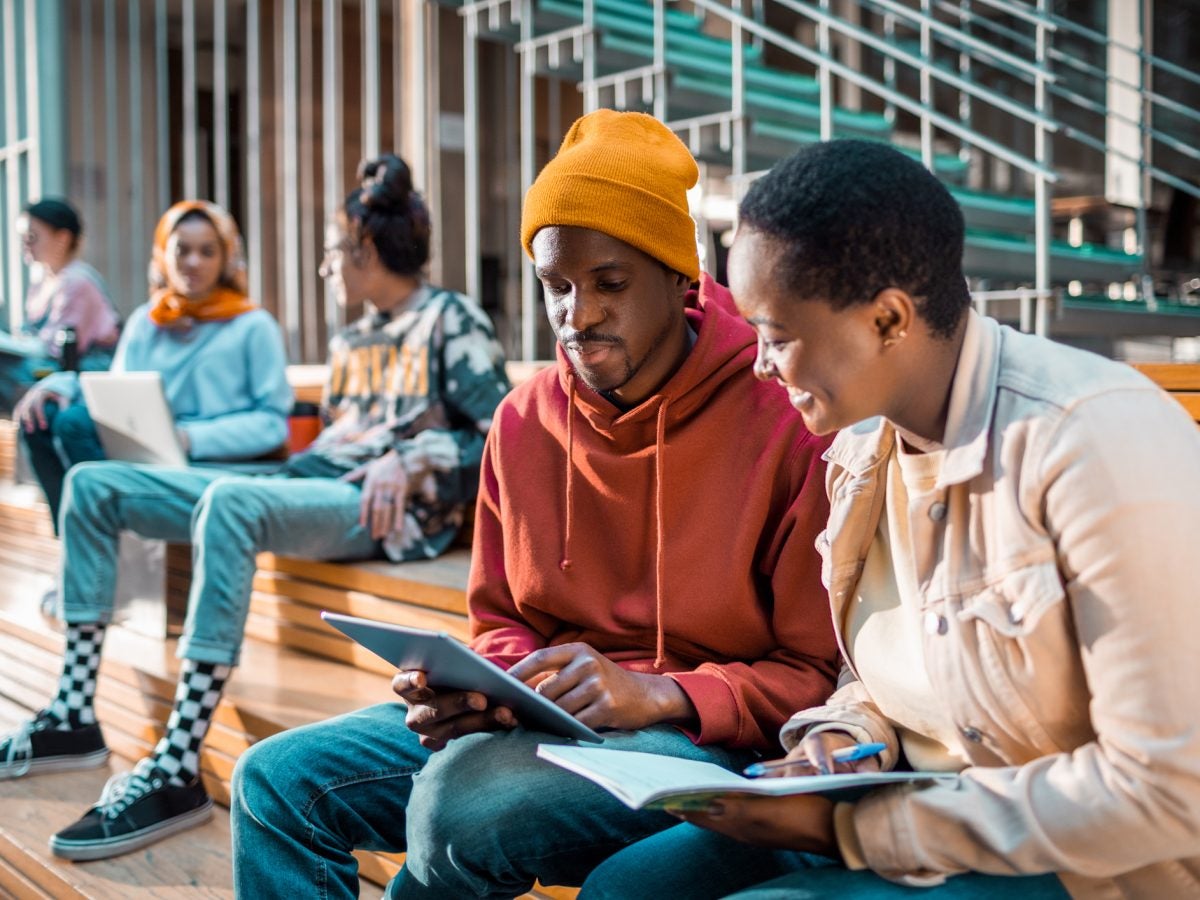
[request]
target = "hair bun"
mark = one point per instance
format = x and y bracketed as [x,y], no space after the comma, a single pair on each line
[385,183]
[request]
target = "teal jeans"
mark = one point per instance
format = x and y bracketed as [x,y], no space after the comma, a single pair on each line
[482,818]
[227,518]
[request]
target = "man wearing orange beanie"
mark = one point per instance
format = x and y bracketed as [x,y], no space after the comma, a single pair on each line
[643,553]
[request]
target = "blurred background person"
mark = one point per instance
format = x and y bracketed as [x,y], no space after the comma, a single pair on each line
[70,322]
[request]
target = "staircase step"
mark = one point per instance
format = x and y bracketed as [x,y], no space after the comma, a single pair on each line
[1000,255]
[947,165]
[714,65]
[996,212]
[682,47]
[846,122]
[628,11]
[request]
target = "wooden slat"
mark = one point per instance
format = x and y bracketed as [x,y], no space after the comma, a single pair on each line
[1190,401]
[437,583]
[14,884]
[282,604]
[1172,376]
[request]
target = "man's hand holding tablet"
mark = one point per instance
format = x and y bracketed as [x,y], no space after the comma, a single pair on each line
[602,694]
[437,716]
[451,690]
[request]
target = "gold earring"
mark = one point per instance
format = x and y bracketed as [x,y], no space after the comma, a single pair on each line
[900,335]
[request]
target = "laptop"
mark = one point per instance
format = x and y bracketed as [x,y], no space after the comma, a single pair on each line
[132,417]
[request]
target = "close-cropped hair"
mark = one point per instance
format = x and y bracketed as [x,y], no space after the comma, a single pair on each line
[852,218]
[385,210]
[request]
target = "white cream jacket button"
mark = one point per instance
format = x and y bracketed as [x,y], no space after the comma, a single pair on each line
[935,624]
[937,511]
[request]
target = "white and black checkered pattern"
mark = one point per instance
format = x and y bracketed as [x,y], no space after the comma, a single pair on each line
[199,691]
[72,707]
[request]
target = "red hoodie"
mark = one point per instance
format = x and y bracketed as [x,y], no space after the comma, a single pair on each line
[676,537]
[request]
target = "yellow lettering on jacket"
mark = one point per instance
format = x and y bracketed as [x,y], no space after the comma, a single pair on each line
[365,372]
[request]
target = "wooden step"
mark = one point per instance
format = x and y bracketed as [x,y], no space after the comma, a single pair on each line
[266,694]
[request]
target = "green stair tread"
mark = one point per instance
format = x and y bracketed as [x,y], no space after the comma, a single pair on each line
[1163,307]
[756,75]
[845,119]
[947,164]
[637,39]
[1015,243]
[1017,206]
[640,31]
[633,10]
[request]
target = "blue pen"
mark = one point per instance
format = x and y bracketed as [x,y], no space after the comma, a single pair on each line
[844,754]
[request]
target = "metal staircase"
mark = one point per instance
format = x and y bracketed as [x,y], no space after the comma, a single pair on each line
[989,94]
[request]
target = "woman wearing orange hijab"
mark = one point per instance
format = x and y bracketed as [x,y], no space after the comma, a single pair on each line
[220,355]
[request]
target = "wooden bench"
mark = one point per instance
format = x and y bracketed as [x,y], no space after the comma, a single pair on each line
[294,671]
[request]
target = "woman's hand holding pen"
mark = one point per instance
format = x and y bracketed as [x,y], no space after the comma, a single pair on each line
[439,716]
[817,754]
[796,822]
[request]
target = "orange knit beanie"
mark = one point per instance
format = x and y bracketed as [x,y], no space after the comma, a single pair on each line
[624,174]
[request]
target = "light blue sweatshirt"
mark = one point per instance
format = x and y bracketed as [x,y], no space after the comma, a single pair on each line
[226,382]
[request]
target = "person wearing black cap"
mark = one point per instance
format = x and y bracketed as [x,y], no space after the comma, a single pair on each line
[70,323]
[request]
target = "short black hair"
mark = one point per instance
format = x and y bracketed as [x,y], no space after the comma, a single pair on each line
[59,214]
[385,209]
[854,217]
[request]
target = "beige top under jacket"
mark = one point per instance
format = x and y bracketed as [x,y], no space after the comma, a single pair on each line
[1058,560]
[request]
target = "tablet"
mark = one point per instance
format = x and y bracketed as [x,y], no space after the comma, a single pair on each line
[451,664]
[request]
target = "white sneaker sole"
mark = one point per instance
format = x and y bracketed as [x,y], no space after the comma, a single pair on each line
[55,764]
[80,851]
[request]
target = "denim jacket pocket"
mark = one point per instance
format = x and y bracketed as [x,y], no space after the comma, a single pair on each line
[1014,604]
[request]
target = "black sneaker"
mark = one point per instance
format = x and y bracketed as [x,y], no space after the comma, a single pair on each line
[135,809]
[39,746]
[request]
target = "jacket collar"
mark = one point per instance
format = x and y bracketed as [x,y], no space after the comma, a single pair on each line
[864,445]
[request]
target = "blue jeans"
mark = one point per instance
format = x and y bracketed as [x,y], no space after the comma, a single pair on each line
[482,818]
[228,519]
[69,438]
[692,863]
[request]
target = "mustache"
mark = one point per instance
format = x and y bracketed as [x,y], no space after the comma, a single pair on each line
[567,338]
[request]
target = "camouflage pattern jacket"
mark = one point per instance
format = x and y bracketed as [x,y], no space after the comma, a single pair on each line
[423,381]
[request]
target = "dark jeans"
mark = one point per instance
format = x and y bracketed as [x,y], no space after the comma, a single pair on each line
[69,438]
[689,863]
[482,818]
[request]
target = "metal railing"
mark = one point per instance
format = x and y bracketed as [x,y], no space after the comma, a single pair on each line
[1043,69]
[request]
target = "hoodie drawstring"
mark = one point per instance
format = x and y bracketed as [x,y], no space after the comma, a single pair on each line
[660,432]
[565,562]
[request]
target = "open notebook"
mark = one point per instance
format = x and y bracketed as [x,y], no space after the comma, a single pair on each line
[649,780]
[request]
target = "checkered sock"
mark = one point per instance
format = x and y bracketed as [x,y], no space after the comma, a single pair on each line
[72,706]
[178,753]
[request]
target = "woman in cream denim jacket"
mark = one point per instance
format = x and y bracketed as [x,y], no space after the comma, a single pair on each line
[1016,518]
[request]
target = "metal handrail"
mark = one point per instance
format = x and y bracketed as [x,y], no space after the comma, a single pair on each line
[866,37]
[1078,100]
[1067,59]
[979,46]
[857,78]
